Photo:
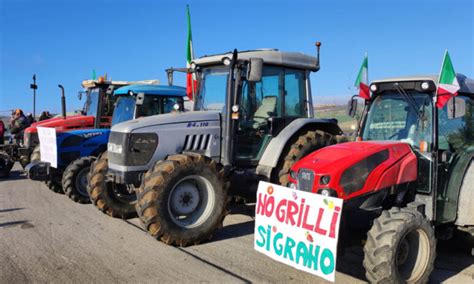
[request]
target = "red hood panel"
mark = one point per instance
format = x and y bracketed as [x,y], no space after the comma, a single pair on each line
[358,161]
[64,124]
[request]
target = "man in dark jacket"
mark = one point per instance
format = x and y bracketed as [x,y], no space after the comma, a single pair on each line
[2,132]
[18,123]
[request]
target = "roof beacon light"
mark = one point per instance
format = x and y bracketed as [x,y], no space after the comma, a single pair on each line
[373,88]
[425,85]
[226,61]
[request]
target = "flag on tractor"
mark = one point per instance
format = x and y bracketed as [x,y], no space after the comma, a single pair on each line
[448,84]
[191,82]
[362,81]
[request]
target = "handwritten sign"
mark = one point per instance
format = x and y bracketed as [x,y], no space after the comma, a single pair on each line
[48,147]
[298,228]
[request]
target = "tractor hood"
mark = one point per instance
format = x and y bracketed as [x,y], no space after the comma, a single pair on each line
[356,168]
[144,123]
[63,124]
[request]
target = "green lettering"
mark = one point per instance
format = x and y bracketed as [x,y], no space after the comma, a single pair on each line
[289,244]
[313,257]
[327,268]
[301,252]
[261,233]
[278,248]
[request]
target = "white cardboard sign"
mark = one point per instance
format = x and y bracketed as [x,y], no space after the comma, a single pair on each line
[48,146]
[298,228]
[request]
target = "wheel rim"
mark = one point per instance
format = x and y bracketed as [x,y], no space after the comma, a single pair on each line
[191,201]
[124,193]
[413,255]
[81,182]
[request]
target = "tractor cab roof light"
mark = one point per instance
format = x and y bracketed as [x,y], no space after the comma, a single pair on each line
[373,88]
[226,61]
[425,86]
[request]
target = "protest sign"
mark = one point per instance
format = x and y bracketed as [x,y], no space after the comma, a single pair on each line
[298,228]
[48,147]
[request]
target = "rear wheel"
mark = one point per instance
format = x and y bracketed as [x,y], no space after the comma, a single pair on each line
[400,248]
[305,144]
[6,165]
[115,200]
[182,200]
[75,180]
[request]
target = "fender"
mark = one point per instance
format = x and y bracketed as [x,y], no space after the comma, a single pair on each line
[272,153]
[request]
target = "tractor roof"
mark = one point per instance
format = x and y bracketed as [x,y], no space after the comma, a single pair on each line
[269,56]
[466,84]
[156,90]
[95,83]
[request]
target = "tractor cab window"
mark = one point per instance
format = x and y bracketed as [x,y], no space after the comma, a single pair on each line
[153,105]
[92,102]
[124,109]
[392,117]
[280,94]
[213,90]
[456,134]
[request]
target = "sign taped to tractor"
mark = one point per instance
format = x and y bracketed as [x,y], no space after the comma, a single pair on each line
[48,147]
[298,228]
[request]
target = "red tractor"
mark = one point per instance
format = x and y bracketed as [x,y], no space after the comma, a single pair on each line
[97,113]
[407,181]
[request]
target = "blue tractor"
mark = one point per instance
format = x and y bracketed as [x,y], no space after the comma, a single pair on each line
[79,148]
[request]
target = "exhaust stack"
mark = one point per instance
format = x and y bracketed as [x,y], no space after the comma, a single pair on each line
[63,101]
[318,47]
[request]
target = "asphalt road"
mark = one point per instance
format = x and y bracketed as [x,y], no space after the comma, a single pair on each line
[45,237]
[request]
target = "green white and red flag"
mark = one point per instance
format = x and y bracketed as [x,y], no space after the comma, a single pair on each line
[362,81]
[448,84]
[191,82]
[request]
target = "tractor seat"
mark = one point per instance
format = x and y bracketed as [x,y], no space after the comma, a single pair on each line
[264,111]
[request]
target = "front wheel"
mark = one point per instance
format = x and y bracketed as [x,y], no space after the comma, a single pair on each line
[75,180]
[115,200]
[182,200]
[400,248]
[6,165]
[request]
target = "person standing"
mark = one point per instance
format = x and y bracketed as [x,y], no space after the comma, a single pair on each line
[18,123]
[2,132]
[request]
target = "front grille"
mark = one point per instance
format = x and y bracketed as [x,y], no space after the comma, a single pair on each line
[305,180]
[118,138]
[198,142]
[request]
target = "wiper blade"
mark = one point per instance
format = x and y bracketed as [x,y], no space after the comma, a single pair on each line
[409,99]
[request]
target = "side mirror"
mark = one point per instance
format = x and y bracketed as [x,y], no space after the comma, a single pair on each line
[140,98]
[254,70]
[79,94]
[456,108]
[352,107]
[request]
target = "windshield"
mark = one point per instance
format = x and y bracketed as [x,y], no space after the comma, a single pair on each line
[152,105]
[124,109]
[392,117]
[92,102]
[213,85]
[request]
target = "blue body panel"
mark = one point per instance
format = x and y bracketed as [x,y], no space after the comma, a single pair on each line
[156,90]
[75,144]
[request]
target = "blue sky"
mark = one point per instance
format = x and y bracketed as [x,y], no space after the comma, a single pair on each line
[62,41]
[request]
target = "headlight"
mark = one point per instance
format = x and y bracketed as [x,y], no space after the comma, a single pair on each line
[293,174]
[324,180]
[114,148]
[327,192]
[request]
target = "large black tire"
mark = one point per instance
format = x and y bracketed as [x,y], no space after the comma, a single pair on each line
[54,186]
[115,200]
[400,248]
[75,180]
[183,200]
[304,144]
[6,165]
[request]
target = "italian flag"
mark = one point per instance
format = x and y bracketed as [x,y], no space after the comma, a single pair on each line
[362,81]
[191,82]
[448,84]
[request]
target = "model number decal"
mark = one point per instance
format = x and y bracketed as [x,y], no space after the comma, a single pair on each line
[198,124]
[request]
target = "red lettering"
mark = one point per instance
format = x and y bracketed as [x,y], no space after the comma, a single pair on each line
[269,206]
[291,210]
[261,204]
[305,220]
[301,212]
[317,228]
[335,215]
[280,213]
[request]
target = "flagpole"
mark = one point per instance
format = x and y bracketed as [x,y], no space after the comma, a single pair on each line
[435,98]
